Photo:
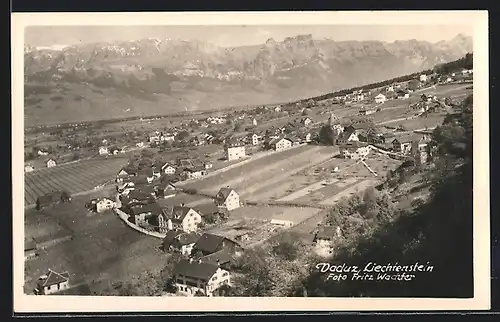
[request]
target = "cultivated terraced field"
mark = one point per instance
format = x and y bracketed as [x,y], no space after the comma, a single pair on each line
[250,177]
[73,177]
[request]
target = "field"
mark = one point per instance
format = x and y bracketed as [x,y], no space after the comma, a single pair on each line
[256,222]
[246,178]
[102,246]
[73,177]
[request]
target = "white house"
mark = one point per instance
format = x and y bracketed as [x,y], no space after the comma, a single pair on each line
[423,78]
[307,121]
[277,109]
[255,139]
[235,151]
[179,218]
[282,223]
[380,98]
[348,135]
[104,204]
[168,168]
[140,145]
[390,88]
[354,150]
[103,150]
[42,152]
[28,168]
[227,198]
[50,163]
[280,144]
[254,122]
[52,282]
[195,276]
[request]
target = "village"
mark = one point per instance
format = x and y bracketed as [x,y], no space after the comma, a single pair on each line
[205,207]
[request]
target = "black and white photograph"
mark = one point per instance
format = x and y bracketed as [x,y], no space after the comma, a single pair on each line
[216,156]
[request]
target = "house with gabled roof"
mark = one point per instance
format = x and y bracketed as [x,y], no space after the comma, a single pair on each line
[227,199]
[193,277]
[194,172]
[354,150]
[126,172]
[209,244]
[168,168]
[179,218]
[145,214]
[165,189]
[180,241]
[52,282]
[348,135]
[50,163]
[279,144]
[234,150]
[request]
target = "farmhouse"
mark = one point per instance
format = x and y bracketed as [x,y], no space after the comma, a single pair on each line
[52,198]
[168,168]
[253,139]
[402,144]
[209,244]
[354,150]
[126,173]
[280,144]
[101,205]
[196,277]
[42,152]
[227,198]
[380,98]
[103,150]
[179,218]
[180,241]
[145,214]
[348,135]
[194,172]
[306,121]
[234,150]
[423,78]
[402,94]
[28,168]
[50,163]
[52,282]
[165,189]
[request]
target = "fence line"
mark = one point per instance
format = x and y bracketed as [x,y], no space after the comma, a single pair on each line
[125,216]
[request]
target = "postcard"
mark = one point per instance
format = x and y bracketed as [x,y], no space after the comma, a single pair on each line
[251,161]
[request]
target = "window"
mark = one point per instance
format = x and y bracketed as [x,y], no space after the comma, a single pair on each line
[214,278]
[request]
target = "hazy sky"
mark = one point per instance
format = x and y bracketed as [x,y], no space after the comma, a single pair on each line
[239,35]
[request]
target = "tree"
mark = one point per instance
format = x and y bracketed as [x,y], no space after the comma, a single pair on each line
[326,135]
[288,246]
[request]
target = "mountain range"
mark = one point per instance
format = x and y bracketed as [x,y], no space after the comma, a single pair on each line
[155,76]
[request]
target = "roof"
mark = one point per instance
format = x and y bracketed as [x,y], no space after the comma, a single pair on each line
[194,169]
[170,236]
[408,138]
[195,269]
[165,183]
[55,278]
[219,258]
[129,170]
[354,145]
[154,208]
[224,193]
[207,209]
[139,195]
[187,238]
[179,212]
[209,242]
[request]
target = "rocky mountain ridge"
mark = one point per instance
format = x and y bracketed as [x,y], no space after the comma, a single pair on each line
[202,75]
